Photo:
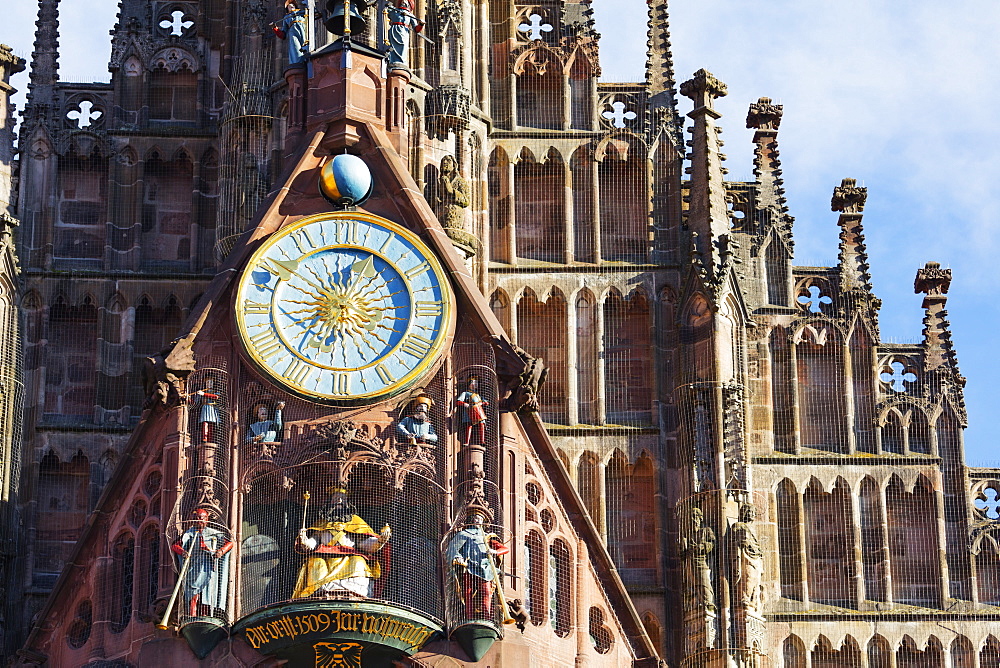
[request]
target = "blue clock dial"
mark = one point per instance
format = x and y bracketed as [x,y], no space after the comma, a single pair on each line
[348,308]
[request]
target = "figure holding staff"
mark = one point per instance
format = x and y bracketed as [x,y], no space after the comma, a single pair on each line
[205,566]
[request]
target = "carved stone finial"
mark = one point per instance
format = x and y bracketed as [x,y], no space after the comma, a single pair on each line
[703,88]
[763,115]
[848,197]
[932,280]
[13,63]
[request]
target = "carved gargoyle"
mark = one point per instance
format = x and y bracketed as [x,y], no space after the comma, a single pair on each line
[521,391]
[163,374]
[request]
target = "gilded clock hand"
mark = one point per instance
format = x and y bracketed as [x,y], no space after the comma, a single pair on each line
[283,269]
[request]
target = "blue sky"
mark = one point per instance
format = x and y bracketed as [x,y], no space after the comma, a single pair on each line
[901,96]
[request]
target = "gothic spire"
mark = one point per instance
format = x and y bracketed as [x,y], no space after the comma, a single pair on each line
[708,213]
[933,282]
[765,118]
[45,57]
[660,71]
[659,60]
[849,199]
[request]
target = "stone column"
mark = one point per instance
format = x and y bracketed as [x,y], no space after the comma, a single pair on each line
[600,407]
[511,216]
[567,106]
[572,376]
[602,510]
[803,549]
[568,236]
[886,564]
[595,215]
[793,353]
[852,441]
[942,546]
[859,566]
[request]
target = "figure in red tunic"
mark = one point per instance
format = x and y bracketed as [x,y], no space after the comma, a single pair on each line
[472,410]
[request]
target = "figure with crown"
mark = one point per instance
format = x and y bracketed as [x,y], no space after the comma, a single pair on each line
[343,553]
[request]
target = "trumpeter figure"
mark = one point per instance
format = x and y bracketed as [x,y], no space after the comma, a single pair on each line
[401,21]
[294,27]
[203,556]
[208,414]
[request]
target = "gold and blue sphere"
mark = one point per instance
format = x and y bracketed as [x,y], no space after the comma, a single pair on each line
[346,180]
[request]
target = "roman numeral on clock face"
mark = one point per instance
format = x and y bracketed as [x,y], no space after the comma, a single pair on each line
[347,232]
[303,240]
[416,345]
[413,272]
[255,308]
[266,343]
[298,372]
[428,308]
[340,384]
[384,375]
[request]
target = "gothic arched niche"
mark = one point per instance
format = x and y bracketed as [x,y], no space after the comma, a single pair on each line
[541,331]
[820,376]
[83,192]
[624,199]
[540,99]
[167,212]
[540,208]
[628,359]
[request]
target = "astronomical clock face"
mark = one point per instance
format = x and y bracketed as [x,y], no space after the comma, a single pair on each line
[346,308]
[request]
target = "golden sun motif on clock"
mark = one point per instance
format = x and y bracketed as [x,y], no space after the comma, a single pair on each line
[347,308]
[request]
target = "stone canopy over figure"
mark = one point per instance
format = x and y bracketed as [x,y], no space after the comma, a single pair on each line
[416,427]
[293,27]
[265,430]
[475,559]
[471,408]
[206,578]
[401,22]
[697,542]
[748,561]
[342,551]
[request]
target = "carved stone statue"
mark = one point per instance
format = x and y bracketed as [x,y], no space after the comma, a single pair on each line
[748,566]
[401,21]
[452,196]
[293,27]
[697,543]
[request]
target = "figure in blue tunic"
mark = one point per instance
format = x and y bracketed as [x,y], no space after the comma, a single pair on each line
[265,430]
[294,27]
[206,581]
[401,21]
[416,428]
[475,557]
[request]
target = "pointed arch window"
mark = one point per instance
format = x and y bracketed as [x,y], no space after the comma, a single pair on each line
[122,582]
